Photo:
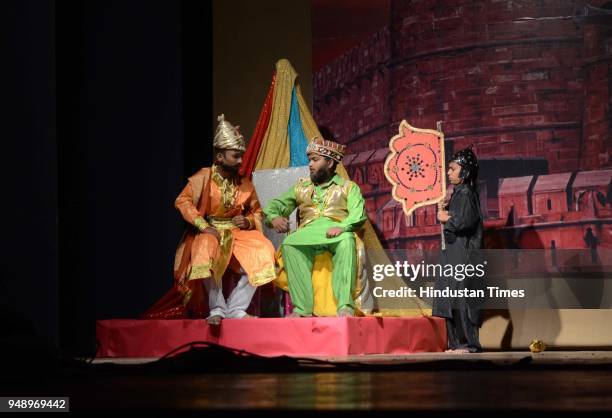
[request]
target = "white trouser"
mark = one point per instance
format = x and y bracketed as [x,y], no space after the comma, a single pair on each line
[237,303]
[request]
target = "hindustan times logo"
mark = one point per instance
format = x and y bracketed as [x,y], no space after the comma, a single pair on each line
[430,292]
[411,271]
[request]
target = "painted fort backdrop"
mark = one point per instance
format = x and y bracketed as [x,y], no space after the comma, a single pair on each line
[528,83]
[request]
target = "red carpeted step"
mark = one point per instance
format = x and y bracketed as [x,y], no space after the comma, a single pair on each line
[275,336]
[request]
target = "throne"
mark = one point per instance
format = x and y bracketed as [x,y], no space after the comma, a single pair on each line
[270,184]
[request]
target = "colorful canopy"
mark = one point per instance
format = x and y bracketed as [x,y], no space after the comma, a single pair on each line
[281,135]
[284,128]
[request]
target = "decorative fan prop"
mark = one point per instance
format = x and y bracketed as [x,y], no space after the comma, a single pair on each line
[415,167]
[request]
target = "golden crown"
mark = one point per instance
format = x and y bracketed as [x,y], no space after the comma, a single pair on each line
[326,148]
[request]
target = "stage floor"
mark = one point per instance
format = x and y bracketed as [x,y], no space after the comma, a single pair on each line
[498,358]
[353,366]
[574,383]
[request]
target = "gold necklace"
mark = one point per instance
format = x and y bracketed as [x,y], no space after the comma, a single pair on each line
[228,189]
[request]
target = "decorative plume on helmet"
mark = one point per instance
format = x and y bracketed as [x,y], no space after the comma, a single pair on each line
[227,136]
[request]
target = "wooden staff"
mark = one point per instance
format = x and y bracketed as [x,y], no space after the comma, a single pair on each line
[442,242]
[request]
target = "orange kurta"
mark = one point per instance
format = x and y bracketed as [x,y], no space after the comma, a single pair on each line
[208,199]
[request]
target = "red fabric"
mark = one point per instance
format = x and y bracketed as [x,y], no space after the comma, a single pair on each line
[275,336]
[250,156]
[170,306]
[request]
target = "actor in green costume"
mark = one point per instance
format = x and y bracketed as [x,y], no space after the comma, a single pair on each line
[330,210]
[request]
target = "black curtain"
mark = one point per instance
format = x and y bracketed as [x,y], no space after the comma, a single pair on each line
[29,286]
[110,113]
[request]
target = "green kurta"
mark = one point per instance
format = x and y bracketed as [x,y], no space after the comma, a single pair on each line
[336,203]
[339,206]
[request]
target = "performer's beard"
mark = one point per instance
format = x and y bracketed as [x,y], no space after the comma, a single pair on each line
[319,176]
[232,170]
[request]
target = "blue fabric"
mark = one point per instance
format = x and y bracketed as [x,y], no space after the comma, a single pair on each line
[297,139]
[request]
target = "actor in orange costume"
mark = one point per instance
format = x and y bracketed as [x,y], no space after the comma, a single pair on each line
[224,220]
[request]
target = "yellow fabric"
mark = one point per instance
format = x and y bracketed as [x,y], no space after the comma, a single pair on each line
[324,300]
[225,247]
[308,123]
[274,151]
[200,223]
[199,271]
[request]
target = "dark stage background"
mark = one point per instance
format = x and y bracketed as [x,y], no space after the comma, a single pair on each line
[106,109]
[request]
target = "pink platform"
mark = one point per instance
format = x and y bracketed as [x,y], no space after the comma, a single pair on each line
[275,336]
